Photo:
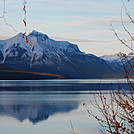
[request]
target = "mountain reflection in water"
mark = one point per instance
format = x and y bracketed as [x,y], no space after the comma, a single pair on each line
[47,106]
[35,106]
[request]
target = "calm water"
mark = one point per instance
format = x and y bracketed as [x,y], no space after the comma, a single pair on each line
[46,107]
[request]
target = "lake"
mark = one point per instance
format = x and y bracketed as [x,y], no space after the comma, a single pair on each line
[51,106]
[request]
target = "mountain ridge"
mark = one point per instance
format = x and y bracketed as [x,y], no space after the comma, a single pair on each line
[121,62]
[49,56]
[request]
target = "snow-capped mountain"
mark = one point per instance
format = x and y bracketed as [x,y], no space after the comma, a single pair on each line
[112,58]
[117,57]
[50,56]
[114,61]
[119,61]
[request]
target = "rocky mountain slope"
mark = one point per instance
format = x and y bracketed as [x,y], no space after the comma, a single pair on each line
[120,62]
[50,56]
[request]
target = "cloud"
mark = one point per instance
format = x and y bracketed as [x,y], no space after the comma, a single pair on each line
[92,21]
[79,21]
[80,40]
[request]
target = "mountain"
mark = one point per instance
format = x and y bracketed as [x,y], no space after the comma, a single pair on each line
[118,57]
[119,61]
[46,55]
[114,61]
[112,58]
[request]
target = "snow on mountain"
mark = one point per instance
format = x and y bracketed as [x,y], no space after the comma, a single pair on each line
[118,57]
[44,39]
[13,47]
[14,40]
[43,45]
[119,61]
[114,61]
[112,58]
[50,56]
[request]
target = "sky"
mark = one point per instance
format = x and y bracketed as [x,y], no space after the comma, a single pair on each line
[82,22]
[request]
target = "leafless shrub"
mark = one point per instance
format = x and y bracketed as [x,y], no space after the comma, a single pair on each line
[117,110]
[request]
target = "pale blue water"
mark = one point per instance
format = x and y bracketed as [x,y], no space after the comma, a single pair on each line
[46,107]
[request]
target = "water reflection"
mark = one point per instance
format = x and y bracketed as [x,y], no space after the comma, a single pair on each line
[60,85]
[35,107]
[53,102]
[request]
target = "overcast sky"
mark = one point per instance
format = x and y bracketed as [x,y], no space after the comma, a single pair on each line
[82,22]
